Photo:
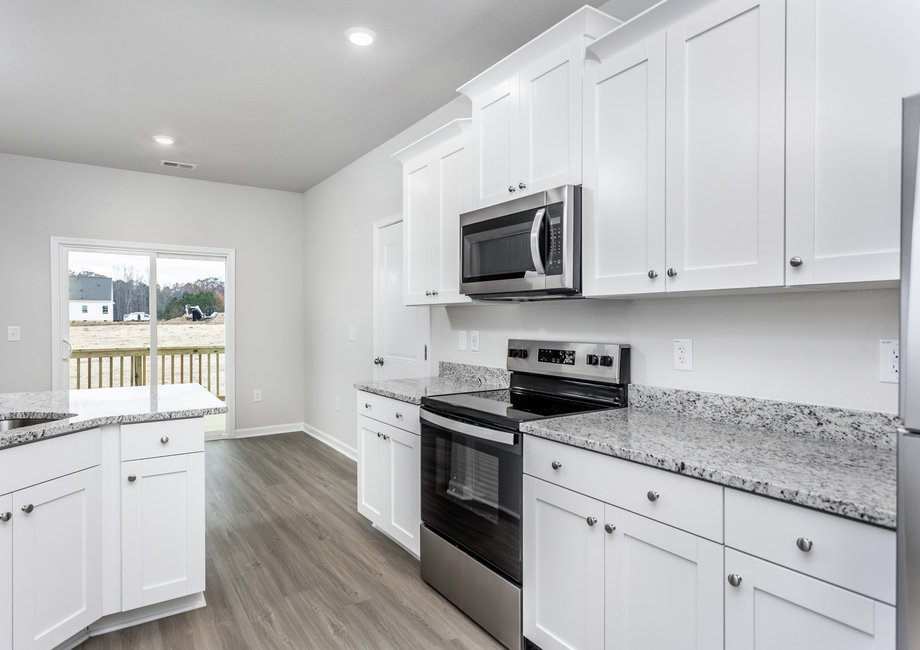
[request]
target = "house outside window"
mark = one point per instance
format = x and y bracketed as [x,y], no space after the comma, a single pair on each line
[84,309]
[105,309]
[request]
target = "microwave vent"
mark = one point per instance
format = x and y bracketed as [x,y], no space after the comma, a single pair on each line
[178,165]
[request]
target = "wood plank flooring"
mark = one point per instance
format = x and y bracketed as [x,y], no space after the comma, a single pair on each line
[292,565]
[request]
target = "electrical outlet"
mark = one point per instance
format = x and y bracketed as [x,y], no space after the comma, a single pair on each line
[338,404]
[257,396]
[889,370]
[351,333]
[474,340]
[462,339]
[683,354]
[12,333]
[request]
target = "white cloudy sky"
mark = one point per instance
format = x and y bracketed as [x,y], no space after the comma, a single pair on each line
[169,271]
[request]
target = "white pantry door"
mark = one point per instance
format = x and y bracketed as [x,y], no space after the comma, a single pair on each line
[401,333]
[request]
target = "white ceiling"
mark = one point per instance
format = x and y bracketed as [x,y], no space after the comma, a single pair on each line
[269,94]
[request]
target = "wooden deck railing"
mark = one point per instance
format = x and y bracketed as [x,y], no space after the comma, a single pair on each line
[102,370]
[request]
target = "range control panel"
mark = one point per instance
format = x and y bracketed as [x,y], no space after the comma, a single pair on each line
[604,362]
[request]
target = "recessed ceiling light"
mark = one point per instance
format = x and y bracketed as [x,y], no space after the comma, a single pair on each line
[163,139]
[361,36]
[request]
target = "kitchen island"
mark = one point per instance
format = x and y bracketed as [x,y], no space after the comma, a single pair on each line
[101,511]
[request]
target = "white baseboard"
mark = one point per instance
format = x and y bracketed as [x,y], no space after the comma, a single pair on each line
[335,443]
[146,614]
[270,430]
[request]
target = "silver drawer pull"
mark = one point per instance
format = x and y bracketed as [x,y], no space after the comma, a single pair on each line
[164,439]
[131,478]
[399,416]
[367,405]
[804,544]
[27,509]
[591,520]
[6,516]
[610,528]
[653,496]
[734,580]
[556,464]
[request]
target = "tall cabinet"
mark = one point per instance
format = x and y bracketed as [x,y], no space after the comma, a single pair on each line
[436,190]
[684,157]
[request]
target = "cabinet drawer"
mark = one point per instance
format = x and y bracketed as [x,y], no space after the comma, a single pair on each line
[24,465]
[390,411]
[145,439]
[681,501]
[854,555]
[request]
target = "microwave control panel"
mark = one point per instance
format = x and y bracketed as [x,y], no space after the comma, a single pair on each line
[555,240]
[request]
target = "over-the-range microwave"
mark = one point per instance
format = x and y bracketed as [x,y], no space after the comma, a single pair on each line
[525,249]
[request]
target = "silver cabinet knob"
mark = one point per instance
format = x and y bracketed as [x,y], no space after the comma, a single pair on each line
[609,528]
[434,293]
[511,188]
[804,544]
[522,185]
[734,580]
[386,437]
[653,496]
[164,439]
[672,273]
[6,516]
[131,478]
[556,464]
[399,416]
[367,405]
[378,361]
[652,275]
[591,520]
[27,509]
[427,293]
[379,434]
[795,261]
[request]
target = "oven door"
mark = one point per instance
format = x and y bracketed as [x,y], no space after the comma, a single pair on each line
[471,489]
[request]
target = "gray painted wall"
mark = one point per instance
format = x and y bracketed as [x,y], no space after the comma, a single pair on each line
[43,198]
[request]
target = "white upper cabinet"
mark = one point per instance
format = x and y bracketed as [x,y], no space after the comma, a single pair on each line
[725,158]
[436,190]
[847,70]
[527,117]
[684,156]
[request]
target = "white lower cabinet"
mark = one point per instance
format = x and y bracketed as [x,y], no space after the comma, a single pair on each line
[163,537]
[6,572]
[774,608]
[389,461]
[57,558]
[597,576]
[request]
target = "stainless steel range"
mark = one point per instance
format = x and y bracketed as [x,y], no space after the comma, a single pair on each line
[472,471]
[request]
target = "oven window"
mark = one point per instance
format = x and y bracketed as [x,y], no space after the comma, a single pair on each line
[470,478]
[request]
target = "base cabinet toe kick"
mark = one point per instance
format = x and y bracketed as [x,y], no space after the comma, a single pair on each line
[100,530]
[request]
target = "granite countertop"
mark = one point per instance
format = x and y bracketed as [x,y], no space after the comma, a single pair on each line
[844,477]
[84,409]
[413,390]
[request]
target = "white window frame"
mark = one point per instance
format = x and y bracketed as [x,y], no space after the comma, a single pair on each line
[61,246]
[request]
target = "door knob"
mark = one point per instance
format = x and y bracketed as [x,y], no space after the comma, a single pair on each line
[734,580]
[378,361]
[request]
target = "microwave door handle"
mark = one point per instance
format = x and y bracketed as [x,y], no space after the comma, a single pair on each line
[535,252]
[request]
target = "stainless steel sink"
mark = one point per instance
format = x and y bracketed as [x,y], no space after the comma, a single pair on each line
[8,425]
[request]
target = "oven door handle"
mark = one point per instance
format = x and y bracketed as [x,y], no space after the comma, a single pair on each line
[535,241]
[501,437]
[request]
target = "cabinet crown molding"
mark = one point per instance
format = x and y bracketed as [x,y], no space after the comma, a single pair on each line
[587,21]
[450,130]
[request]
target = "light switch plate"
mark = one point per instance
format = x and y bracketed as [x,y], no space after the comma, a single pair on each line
[462,340]
[474,340]
[12,333]
[889,368]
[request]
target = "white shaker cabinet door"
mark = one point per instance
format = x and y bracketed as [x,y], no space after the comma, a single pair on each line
[550,122]
[6,575]
[419,202]
[624,184]
[453,199]
[663,586]
[496,144]
[725,146]
[403,458]
[563,568]
[372,471]
[773,608]
[843,144]
[57,568]
[163,537]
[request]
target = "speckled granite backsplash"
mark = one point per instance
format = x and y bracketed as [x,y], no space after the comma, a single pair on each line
[827,422]
[468,372]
